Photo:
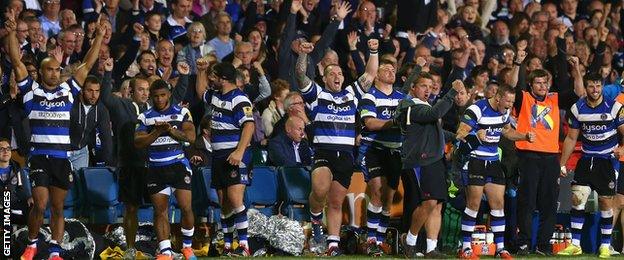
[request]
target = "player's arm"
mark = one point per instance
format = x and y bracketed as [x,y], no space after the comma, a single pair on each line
[13,47]
[376,124]
[568,147]
[366,80]
[143,139]
[236,156]
[187,134]
[92,55]
[514,135]
[462,131]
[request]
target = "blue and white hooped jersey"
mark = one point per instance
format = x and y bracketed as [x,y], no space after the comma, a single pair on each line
[598,126]
[230,112]
[481,115]
[48,112]
[164,150]
[333,115]
[376,104]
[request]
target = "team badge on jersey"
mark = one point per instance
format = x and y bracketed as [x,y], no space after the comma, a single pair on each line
[248,111]
[187,179]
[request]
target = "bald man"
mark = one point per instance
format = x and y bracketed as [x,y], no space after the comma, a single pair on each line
[291,148]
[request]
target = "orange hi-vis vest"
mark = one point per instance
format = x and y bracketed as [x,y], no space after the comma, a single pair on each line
[620,99]
[542,118]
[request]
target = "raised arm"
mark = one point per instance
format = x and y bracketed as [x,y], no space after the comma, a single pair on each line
[13,47]
[264,85]
[201,82]
[302,64]
[92,55]
[179,92]
[366,80]
[329,34]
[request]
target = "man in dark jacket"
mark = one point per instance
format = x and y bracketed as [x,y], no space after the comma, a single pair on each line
[291,148]
[89,117]
[424,172]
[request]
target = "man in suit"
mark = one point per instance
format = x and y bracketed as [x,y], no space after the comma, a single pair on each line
[290,148]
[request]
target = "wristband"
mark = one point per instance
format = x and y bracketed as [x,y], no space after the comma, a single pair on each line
[373,52]
[564,169]
[517,63]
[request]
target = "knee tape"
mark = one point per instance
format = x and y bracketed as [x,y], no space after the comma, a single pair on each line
[581,193]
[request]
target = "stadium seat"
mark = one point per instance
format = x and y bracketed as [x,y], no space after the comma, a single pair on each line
[100,193]
[295,189]
[262,193]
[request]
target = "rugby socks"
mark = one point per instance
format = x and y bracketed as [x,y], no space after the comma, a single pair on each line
[333,241]
[187,237]
[316,218]
[373,215]
[497,223]
[54,249]
[165,247]
[469,220]
[33,242]
[577,218]
[431,245]
[383,226]
[410,239]
[227,225]
[241,224]
[606,226]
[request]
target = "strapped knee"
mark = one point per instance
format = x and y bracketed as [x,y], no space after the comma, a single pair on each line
[580,194]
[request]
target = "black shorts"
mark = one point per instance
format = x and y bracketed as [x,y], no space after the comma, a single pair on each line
[225,175]
[481,172]
[426,182]
[176,175]
[48,171]
[339,163]
[132,185]
[380,162]
[597,173]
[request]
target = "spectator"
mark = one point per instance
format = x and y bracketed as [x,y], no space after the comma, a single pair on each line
[275,111]
[90,118]
[50,23]
[294,106]
[68,18]
[209,20]
[196,48]
[174,28]
[222,43]
[291,148]
[14,180]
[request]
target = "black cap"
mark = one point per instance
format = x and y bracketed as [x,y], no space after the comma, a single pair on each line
[226,71]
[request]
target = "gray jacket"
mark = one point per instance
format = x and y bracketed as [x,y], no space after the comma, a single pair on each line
[424,138]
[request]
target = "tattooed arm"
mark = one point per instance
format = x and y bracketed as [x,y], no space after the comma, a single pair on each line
[300,70]
[366,80]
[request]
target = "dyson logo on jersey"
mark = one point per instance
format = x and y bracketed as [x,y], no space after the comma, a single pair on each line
[387,113]
[494,130]
[337,109]
[589,128]
[51,104]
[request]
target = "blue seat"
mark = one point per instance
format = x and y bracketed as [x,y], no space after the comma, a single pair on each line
[146,213]
[262,193]
[100,192]
[295,189]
